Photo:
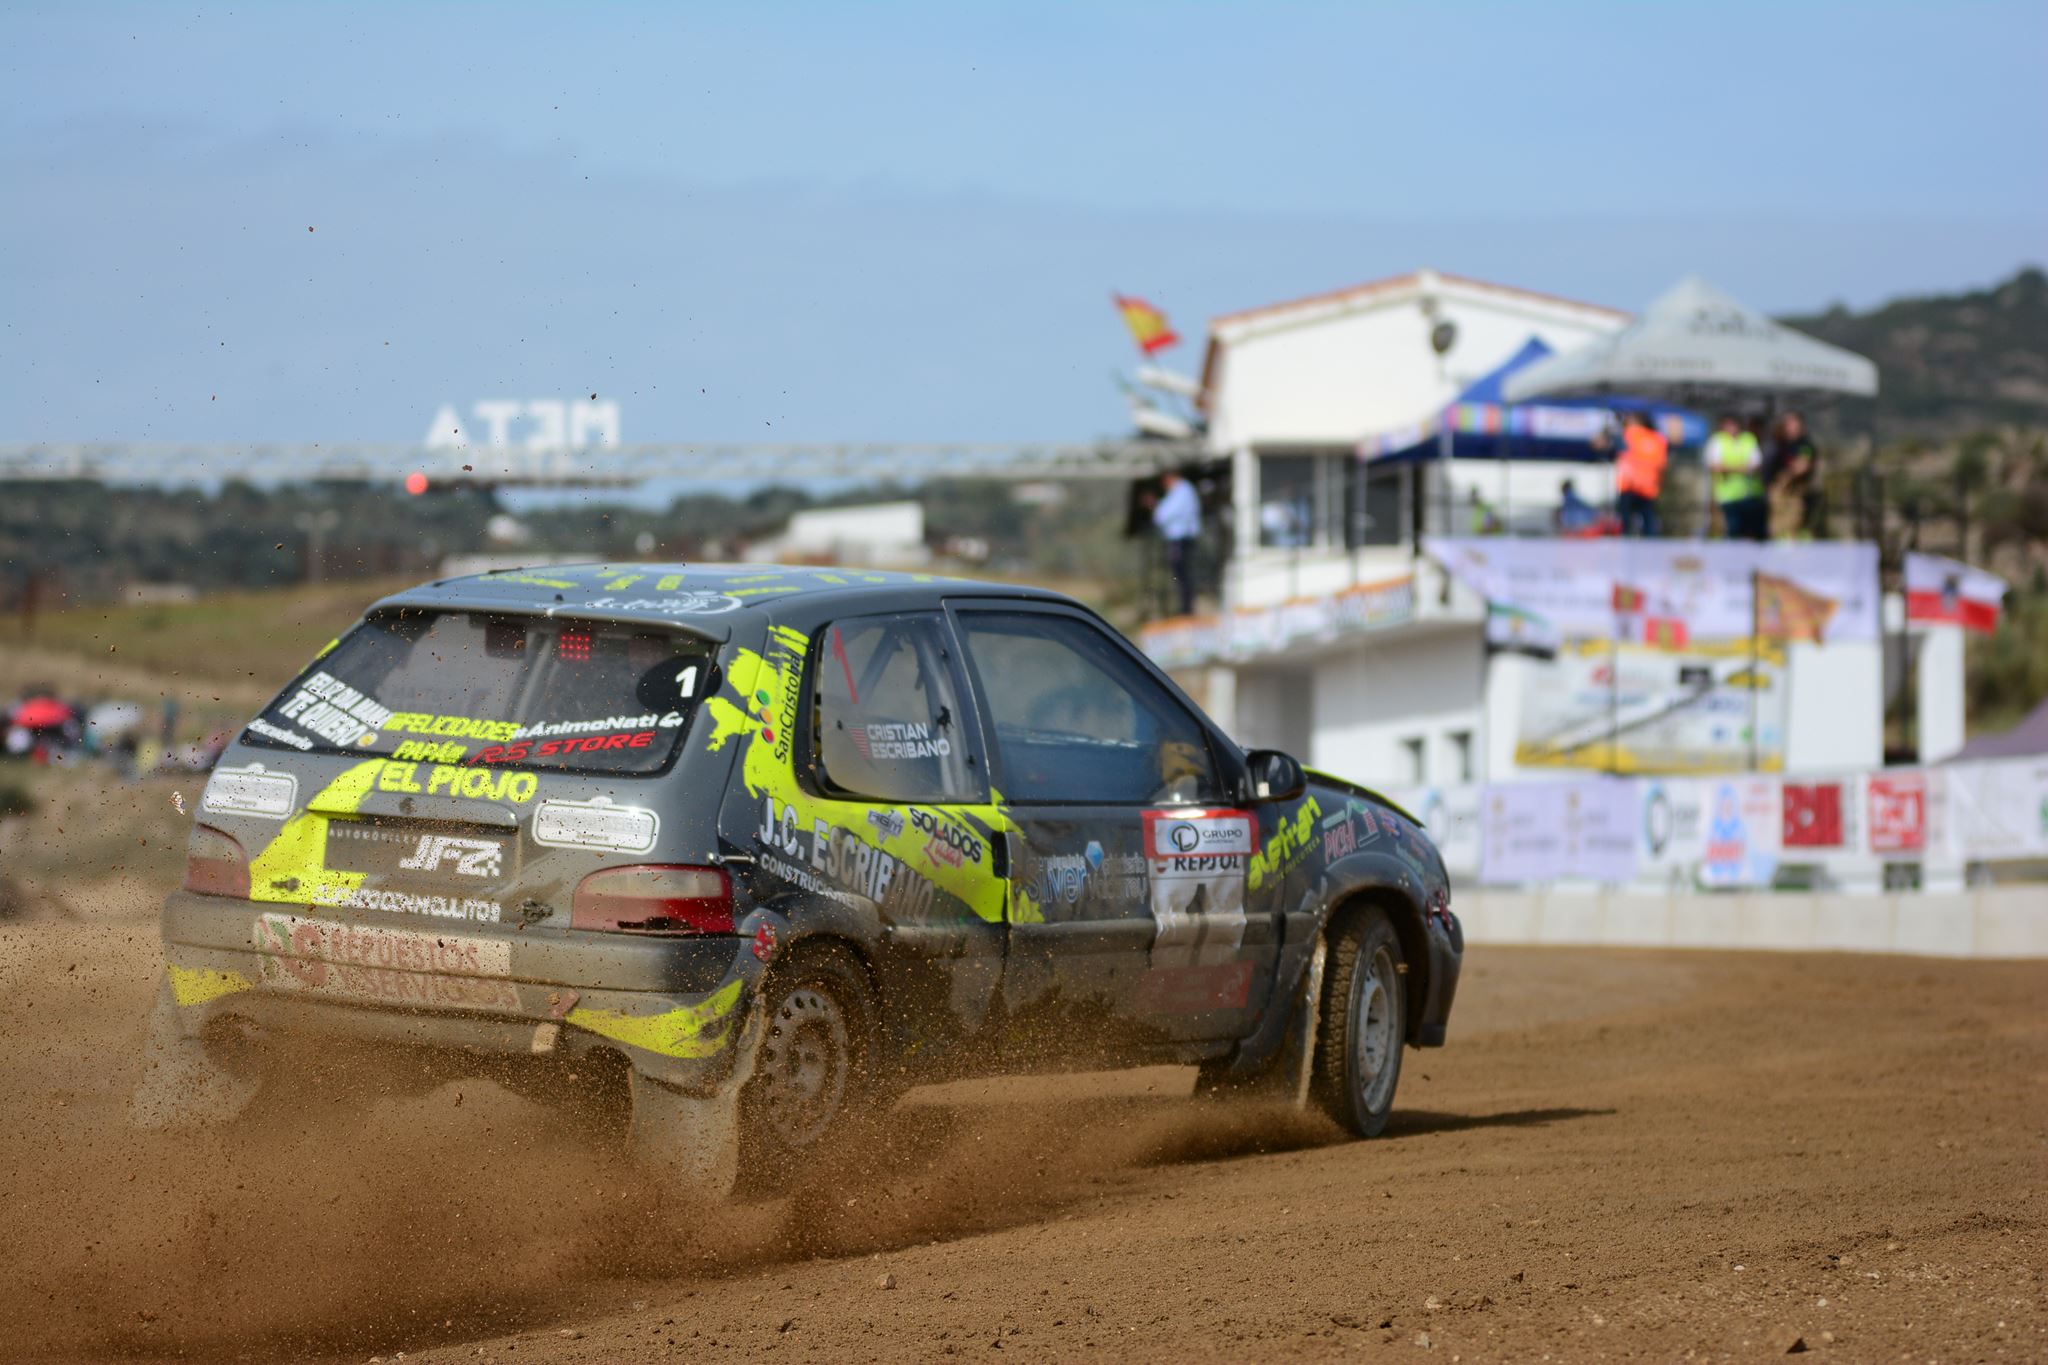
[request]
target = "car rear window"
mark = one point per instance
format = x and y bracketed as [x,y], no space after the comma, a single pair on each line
[494,690]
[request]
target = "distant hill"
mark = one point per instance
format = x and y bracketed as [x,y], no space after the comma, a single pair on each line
[1949,364]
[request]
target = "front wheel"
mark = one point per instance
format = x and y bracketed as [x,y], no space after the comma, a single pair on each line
[1361,1024]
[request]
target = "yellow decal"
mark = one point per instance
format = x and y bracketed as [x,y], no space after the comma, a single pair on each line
[197,985]
[674,1033]
[483,784]
[462,727]
[769,689]
[668,582]
[532,580]
[326,648]
[427,751]
[293,866]
[1290,842]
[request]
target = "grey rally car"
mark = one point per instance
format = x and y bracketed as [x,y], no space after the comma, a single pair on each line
[767,843]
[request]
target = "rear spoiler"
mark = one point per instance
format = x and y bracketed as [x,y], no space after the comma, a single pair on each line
[496,605]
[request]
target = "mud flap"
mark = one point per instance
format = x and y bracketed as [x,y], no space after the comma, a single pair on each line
[1301,1064]
[182,1087]
[693,1141]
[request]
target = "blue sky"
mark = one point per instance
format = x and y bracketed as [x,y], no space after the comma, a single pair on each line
[772,221]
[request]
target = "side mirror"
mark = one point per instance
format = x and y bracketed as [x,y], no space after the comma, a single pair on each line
[1273,776]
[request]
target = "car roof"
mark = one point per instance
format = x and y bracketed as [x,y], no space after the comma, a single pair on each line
[704,599]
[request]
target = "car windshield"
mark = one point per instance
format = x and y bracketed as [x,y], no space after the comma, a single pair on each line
[472,688]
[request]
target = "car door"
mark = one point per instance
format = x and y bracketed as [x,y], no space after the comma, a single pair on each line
[884,804]
[1128,863]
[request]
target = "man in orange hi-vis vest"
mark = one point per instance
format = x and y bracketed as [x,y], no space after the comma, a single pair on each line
[1639,476]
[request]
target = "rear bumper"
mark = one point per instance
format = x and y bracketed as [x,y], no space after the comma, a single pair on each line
[672,1006]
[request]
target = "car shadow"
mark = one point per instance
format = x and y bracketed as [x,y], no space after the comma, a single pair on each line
[1415,1122]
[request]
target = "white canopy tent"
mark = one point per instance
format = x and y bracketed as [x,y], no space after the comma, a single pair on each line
[1696,345]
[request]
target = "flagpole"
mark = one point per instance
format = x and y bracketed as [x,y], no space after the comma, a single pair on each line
[1614,684]
[1755,650]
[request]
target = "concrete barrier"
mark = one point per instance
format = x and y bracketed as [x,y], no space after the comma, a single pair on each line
[1986,922]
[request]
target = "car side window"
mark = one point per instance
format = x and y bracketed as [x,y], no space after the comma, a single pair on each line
[886,717]
[1078,721]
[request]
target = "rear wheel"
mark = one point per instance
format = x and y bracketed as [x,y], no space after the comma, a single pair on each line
[1362,1022]
[816,1063]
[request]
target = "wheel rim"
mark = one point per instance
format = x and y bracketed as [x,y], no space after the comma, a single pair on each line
[1375,1031]
[805,1060]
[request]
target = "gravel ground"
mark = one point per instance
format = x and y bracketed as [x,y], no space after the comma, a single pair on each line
[1663,1156]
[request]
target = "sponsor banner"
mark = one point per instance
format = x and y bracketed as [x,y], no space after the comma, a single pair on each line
[1554,831]
[1744,822]
[1896,805]
[1261,631]
[1451,816]
[1813,816]
[1708,586]
[1669,711]
[1998,810]
[1670,825]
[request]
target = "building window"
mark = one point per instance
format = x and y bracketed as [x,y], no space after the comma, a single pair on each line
[1418,759]
[1288,511]
[1461,754]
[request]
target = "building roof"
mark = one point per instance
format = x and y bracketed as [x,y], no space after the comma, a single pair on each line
[1394,284]
[1335,300]
[2024,740]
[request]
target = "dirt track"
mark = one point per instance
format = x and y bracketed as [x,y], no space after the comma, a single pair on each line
[1661,1156]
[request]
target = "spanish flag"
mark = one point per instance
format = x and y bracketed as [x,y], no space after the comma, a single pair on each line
[1148,325]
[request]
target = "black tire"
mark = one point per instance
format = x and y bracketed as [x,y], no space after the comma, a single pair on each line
[1362,1024]
[815,1070]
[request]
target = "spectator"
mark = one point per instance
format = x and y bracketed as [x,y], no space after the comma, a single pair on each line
[1574,514]
[1639,476]
[1794,477]
[1736,464]
[1178,518]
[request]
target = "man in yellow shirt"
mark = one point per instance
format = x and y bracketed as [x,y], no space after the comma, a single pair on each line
[1736,463]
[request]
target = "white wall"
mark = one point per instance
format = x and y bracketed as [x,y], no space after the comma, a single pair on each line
[1336,372]
[1275,710]
[1834,710]
[1938,684]
[1369,699]
[1994,922]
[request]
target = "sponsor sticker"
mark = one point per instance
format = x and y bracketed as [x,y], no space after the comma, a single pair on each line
[251,791]
[891,740]
[393,966]
[686,603]
[595,824]
[280,733]
[1200,833]
[333,710]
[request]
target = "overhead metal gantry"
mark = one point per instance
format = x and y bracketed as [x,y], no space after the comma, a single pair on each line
[186,463]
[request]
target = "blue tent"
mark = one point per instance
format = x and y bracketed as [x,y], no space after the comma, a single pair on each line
[1484,427]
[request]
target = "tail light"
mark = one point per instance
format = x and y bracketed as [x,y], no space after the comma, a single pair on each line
[654,899]
[215,864]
